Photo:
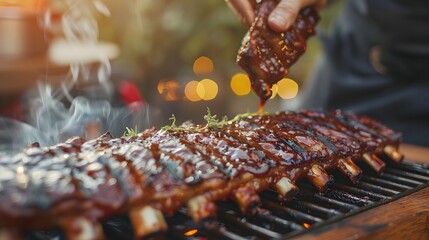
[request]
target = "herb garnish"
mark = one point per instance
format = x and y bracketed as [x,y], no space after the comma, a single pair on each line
[212,122]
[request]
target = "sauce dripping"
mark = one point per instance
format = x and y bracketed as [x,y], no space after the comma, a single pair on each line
[267,55]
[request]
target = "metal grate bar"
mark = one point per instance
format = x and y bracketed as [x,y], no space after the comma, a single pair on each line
[386,183]
[412,168]
[402,180]
[234,219]
[376,188]
[313,208]
[330,201]
[217,232]
[414,176]
[280,222]
[361,192]
[347,197]
[291,213]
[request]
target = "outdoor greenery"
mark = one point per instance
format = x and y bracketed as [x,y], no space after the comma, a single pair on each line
[161,40]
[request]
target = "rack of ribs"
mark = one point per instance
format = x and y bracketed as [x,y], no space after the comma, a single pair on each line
[267,55]
[77,184]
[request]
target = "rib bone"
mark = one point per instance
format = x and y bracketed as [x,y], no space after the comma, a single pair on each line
[319,177]
[286,188]
[200,208]
[147,221]
[393,153]
[246,198]
[374,162]
[349,169]
[80,228]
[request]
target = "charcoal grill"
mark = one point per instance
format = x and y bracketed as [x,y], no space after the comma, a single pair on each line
[307,215]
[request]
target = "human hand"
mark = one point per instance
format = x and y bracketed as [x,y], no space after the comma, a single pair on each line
[282,17]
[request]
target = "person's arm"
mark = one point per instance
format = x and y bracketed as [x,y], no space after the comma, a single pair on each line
[280,19]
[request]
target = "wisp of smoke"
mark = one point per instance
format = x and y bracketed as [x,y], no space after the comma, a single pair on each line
[57,114]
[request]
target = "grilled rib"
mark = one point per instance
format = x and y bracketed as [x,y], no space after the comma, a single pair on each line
[267,55]
[79,183]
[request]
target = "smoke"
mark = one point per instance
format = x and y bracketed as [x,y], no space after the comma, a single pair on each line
[56,121]
[60,112]
[14,135]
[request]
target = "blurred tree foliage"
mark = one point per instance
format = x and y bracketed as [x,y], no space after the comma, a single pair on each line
[160,37]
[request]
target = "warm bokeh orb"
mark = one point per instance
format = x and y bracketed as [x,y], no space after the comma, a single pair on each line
[207,89]
[203,65]
[240,84]
[191,91]
[287,88]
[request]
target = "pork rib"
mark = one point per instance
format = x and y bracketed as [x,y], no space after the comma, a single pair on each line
[79,183]
[267,55]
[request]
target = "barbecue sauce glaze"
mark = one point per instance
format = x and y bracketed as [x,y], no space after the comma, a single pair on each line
[163,169]
[267,55]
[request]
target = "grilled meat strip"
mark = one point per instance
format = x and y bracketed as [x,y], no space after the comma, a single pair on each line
[166,169]
[267,55]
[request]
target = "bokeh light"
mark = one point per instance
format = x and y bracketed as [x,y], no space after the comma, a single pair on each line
[287,88]
[274,90]
[32,5]
[240,84]
[168,89]
[191,91]
[207,89]
[161,87]
[203,65]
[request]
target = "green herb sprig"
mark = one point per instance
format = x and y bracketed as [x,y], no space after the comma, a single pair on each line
[130,132]
[172,125]
[212,122]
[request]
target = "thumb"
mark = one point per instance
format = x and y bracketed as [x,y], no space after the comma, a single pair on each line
[284,15]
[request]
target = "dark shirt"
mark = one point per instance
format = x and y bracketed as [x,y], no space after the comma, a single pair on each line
[376,62]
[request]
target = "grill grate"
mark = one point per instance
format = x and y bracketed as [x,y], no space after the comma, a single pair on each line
[307,212]
[311,210]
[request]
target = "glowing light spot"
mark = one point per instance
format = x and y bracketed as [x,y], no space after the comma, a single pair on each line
[287,88]
[207,89]
[168,89]
[203,65]
[161,87]
[306,225]
[191,232]
[27,4]
[191,91]
[240,84]
[275,90]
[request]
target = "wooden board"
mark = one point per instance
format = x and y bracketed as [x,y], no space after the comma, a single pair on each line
[405,218]
[415,153]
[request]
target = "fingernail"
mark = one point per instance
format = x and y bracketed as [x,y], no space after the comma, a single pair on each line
[277,19]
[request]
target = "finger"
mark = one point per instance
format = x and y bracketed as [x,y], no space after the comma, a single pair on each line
[284,15]
[320,4]
[243,9]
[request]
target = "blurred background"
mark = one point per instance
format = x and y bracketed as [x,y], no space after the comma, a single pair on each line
[70,67]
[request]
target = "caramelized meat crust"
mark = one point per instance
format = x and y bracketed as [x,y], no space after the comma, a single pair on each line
[267,55]
[166,168]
